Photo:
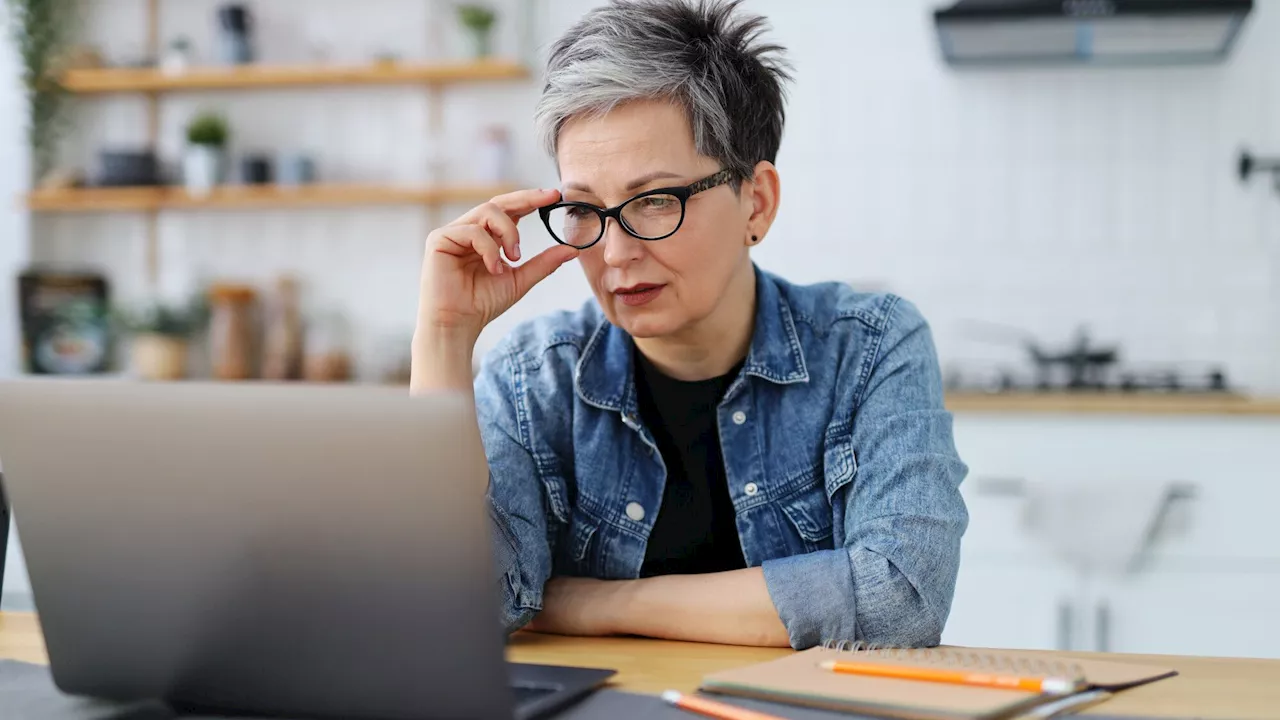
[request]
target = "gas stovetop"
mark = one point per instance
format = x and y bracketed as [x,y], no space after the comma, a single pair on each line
[1002,379]
[1077,366]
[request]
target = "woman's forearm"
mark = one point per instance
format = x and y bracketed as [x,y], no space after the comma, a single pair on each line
[732,608]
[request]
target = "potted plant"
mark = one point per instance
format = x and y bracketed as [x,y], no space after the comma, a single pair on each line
[204,161]
[41,31]
[478,20]
[161,335]
[177,57]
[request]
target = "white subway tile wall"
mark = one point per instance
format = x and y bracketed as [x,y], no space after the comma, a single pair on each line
[13,181]
[1043,199]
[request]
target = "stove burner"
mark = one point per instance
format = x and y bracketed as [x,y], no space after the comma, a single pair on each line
[1004,379]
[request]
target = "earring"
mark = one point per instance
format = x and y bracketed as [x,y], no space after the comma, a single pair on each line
[754,239]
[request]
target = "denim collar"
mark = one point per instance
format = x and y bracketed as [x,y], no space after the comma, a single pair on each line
[605,375]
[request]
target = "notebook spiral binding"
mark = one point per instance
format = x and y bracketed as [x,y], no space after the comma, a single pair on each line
[958,659]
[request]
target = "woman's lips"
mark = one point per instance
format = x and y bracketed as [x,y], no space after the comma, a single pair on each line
[637,295]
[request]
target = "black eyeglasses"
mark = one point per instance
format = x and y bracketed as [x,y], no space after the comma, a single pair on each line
[651,215]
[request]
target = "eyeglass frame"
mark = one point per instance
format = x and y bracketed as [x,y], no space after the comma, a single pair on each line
[682,193]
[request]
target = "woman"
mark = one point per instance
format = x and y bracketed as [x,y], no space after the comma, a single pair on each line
[706,451]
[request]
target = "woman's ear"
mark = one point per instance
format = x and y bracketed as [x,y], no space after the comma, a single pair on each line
[763,193]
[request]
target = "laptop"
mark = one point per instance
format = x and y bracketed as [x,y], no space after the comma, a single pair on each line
[258,549]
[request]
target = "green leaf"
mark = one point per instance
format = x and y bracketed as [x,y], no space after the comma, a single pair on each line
[208,129]
[157,318]
[41,30]
[477,17]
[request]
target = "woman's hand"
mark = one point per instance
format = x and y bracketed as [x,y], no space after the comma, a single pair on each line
[466,283]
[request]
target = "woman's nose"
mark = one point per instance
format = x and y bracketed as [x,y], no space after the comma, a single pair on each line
[620,247]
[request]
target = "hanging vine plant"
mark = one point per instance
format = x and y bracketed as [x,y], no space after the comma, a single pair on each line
[41,31]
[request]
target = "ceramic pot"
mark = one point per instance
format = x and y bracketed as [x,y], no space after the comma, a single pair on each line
[159,357]
[202,167]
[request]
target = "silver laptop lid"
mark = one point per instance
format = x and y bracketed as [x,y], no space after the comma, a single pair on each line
[318,551]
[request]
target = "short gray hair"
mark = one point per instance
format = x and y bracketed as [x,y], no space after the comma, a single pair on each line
[701,54]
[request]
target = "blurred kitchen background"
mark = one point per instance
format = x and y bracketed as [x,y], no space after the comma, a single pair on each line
[1083,205]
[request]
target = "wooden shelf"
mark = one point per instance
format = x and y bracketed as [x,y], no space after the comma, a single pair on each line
[151,80]
[1112,404]
[249,197]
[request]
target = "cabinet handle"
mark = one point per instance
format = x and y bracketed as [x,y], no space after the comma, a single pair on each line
[1102,627]
[1064,625]
[1176,491]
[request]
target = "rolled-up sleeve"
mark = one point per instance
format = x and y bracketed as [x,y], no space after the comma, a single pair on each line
[517,509]
[898,524]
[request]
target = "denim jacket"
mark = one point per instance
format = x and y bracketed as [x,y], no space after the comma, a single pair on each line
[837,449]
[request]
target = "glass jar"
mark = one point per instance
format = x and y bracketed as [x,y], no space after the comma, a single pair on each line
[231,331]
[328,342]
[283,333]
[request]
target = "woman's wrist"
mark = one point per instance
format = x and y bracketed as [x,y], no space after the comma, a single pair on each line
[623,605]
[441,359]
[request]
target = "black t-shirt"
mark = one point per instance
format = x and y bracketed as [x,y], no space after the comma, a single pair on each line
[695,531]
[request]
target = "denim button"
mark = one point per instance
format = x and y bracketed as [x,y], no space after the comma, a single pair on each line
[635,511]
[739,418]
[750,489]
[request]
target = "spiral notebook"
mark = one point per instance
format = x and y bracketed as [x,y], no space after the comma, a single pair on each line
[797,679]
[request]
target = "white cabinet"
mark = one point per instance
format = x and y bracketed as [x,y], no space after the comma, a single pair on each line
[1209,583]
[1009,604]
[1227,613]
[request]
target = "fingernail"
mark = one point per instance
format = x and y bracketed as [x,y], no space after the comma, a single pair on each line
[501,268]
[516,251]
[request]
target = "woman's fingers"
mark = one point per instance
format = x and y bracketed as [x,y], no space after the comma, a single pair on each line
[489,230]
[540,266]
[499,216]
[499,225]
[461,240]
[522,202]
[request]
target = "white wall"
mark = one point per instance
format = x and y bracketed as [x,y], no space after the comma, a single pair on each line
[1038,198]
[13,180]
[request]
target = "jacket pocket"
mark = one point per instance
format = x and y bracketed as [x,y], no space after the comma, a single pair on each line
[809,512]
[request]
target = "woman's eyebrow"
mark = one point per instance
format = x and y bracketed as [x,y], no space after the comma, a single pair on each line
[638,182]
[646,179]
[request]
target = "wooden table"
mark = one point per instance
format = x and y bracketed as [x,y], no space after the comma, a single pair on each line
[1210,688]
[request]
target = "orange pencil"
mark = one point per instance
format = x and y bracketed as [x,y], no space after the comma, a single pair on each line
[714,709]
[1050,685]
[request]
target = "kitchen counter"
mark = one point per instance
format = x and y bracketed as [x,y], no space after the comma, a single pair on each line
[1112,403]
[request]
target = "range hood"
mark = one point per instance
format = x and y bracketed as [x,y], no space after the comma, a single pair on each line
[1104,32]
